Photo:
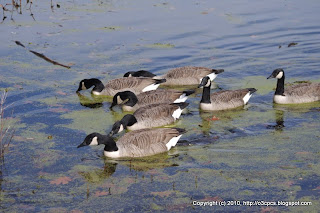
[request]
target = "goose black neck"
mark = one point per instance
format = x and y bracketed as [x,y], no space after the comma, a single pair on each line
[98,85]
[110,145]
[132,101]
[206,95]
[280,86]
[128,120]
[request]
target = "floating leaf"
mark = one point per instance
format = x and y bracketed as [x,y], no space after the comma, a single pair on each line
[61,180]
[61,92]
[163,194]
[213,118]
[100,193]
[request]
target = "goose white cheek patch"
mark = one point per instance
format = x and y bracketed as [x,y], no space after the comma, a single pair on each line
[83,87]
[94,142]
[121,128]
[280,74]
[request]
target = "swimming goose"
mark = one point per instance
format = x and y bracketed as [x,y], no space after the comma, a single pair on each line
[153,115]
[132,102]
[296,94]
[140,143]
[136,85]
[140,73]
[222,100]
[187,75]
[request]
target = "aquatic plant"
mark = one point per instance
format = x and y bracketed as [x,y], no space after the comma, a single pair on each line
[6,132]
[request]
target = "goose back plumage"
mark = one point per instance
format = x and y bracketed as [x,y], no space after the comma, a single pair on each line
[134,84]
[155,115]
[147,142]
[188,75]
[226,99]
[158,96]
[300,93]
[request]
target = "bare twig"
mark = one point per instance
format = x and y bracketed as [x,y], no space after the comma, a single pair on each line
[43,56]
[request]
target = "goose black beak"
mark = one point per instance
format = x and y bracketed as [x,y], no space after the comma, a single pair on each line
[111,133]
[112,105]
[200,85]
[81,145]
[271,76]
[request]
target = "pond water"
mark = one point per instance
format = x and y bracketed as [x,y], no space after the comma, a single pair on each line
[263,152]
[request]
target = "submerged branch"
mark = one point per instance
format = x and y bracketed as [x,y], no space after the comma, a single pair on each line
[43,56]
[48,59]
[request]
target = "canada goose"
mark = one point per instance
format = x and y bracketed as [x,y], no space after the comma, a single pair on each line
[132,102]
[226,99]
[296,94]
[182,75]
[153,115]
[140,73]
[140,143]
[136,85]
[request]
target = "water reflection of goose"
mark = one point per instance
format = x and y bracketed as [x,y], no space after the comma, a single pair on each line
[158,161]
[88,102]
[296,94]
[279,121]
[217,122]
[137,143]
[97,175]
[187,75]
[136,85]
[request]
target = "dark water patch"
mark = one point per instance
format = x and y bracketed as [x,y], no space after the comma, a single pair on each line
[309,186]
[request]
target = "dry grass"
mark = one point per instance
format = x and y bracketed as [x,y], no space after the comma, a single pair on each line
[6,131]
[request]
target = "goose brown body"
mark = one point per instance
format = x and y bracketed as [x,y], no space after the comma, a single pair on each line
[132,102]
[187,75]
[134,84]
[146,142]
[154,115]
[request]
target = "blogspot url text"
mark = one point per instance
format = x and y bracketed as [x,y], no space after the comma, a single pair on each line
[251,203]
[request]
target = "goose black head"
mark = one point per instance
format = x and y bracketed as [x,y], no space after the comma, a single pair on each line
[140,73]
[98,139]
[127,97]
[87,83]
[277,73]
[205,82]
[92,139]
[119,126]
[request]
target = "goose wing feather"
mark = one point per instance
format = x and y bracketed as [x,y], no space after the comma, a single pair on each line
[155,111]
[228,95]
[308,89]
[188,71]
[130,82]
[158,96]
[146,142]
